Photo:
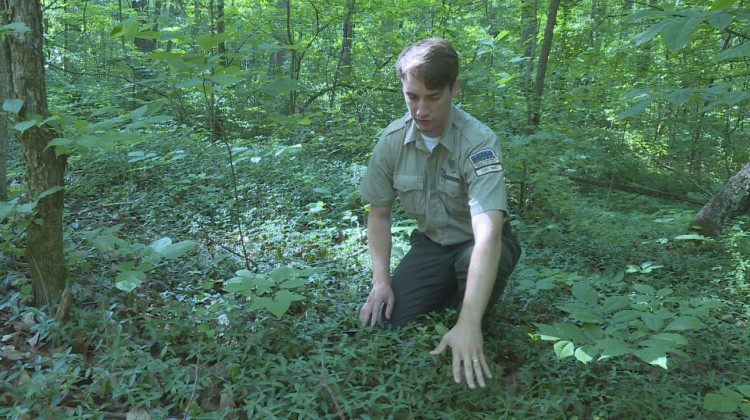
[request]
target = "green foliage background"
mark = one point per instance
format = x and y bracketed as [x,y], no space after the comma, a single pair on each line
[215,234]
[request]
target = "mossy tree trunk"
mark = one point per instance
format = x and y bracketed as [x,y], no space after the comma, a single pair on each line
[3,127]
[731,202]
[44,170]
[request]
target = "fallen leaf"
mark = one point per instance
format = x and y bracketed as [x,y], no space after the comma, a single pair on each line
[137,414]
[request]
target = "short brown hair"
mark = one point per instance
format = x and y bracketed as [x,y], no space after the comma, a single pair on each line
[433,61]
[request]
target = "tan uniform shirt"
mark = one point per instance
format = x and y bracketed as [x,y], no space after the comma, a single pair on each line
[442,189]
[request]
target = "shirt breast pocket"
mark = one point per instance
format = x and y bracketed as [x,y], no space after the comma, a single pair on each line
[454,195]
[410,189]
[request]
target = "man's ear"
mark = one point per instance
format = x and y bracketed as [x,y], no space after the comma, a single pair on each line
[456,88]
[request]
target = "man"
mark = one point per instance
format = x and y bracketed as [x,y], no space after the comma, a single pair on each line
[446,168]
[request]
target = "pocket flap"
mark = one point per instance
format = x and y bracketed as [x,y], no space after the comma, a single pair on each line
[408,182]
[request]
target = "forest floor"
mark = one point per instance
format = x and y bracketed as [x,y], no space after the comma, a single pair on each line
[180,345]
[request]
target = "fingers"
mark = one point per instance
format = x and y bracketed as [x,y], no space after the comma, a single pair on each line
[367,315]
[389,306]
[440,348]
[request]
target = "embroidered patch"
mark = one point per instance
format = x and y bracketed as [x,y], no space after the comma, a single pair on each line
[486,161]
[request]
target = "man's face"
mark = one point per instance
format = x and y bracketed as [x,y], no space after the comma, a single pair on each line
[429,108]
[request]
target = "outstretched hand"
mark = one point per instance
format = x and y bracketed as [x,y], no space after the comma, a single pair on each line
[381,294]
[467,346]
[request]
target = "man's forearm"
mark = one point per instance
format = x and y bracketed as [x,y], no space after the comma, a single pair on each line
[485,260]
[379,242]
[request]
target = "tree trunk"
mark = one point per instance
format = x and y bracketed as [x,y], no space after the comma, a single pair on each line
[3,126]
[343,67]
[535,112]
[731,202]
[44,170]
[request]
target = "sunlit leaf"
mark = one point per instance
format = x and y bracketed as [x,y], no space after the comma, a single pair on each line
[13,106]
[585,353]
[129,280]
[652,356]
[563,349]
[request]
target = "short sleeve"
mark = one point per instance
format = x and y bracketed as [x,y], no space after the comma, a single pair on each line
[484,174]
[377,184]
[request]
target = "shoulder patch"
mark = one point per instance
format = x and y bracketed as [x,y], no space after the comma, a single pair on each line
[486,161]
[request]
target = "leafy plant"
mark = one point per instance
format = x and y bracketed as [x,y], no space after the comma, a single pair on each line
[272,290]
[727,400]
[646,323]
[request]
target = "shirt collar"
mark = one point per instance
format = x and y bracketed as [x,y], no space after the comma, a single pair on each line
[447,139]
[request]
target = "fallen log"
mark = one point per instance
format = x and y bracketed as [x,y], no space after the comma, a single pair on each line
[635,189]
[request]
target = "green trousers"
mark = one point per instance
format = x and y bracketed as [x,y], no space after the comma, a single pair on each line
[432,277]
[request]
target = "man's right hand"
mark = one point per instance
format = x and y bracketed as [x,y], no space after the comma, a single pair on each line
[381,294]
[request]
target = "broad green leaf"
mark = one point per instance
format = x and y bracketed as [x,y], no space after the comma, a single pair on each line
[739,51]
[563,349]
[278,308]
[129,280]
[14,27]
[138,113]
[649,33]
[644,289]
[25,125]
[165,248]
[282,273]
[744,390]
[570,331]
[162,243]
[664,292]
[615,303]
[177,250]
[6,207]
[611,347]
[585,293]
[581,312]
[148,35]
[680,96]
[678,32]
[105,243]
[243,285]
[625,316]
[722,4]
[652,356]
[635,110]
[585,353]
[13,106]
[224,79]
[128,29]
[684,323]
[719,402]
[547,332]
[208,41]
[287,295]
[719,21]
[731,394]
[50,191]
[279,305]
[745,408]
[593,331]
[677,339]
[293,283]
[653,322]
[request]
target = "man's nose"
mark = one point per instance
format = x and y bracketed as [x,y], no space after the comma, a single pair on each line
[422,108]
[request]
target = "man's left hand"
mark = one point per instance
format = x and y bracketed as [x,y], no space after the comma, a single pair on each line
[467,345]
